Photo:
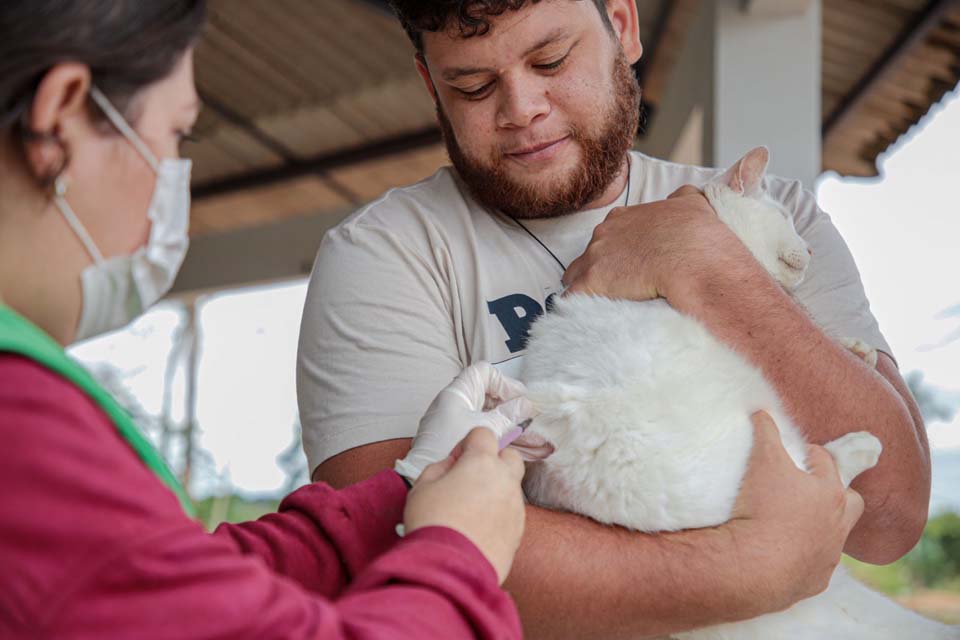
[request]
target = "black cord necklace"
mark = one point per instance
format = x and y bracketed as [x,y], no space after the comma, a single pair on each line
[540,242]
[545,247]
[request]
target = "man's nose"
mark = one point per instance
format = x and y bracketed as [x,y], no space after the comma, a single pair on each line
[521,104]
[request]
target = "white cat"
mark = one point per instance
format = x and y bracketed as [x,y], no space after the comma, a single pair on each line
[648,416]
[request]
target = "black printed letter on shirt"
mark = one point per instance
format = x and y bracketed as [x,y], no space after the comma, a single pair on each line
[516,313]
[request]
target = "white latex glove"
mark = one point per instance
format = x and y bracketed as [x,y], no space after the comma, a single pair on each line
[479,397]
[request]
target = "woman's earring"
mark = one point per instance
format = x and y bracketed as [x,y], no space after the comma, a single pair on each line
[60,185]
[45,138]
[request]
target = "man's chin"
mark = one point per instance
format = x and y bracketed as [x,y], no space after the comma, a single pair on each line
[545,177]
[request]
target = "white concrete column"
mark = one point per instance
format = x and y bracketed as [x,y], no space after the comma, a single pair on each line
[749,75]
[766,84]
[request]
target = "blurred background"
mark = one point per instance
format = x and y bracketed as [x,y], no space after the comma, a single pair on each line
[312,109]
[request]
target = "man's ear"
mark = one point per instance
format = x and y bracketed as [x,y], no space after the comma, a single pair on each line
[58,105]
[626,27]
[424,72]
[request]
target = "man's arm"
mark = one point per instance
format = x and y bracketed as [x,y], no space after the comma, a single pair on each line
[378,342]
[678,249]
[575,578]
[830,392]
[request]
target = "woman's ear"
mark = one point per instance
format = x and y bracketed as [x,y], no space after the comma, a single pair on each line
[626,27]
[59,106]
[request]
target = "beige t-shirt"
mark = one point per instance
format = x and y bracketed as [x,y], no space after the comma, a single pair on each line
[423,282]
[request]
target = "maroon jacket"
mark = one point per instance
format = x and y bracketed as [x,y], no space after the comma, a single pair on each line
[92,545]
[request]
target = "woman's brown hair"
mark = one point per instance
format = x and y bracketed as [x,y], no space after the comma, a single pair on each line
[128,45]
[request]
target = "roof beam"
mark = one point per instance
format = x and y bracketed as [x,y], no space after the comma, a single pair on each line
[647,62]
[322,164]
[237,120]
[281,250]
[912,35]
[775,8]
[382,5]
[646,67]
[663,49]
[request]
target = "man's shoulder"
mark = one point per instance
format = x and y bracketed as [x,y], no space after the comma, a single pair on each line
[659,175]
[662,177]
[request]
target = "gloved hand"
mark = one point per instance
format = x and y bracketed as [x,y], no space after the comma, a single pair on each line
[479,397]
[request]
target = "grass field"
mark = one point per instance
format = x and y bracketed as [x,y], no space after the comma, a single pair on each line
[897,580]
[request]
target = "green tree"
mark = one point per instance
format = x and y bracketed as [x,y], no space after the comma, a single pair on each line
[935,404]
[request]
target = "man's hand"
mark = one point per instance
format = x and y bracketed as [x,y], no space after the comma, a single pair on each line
[789,527]
[651,250]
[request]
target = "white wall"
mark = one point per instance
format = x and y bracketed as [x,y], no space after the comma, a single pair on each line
[755,77]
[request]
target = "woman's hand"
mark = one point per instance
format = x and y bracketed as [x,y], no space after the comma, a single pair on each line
[479,397]
[475,491]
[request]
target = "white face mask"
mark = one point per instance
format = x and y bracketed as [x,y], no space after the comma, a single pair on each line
[117,290]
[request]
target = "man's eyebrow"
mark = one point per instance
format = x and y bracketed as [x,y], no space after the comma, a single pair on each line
[458,72]
[554,36]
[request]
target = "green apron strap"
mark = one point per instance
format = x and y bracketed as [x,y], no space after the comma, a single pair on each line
[19,336]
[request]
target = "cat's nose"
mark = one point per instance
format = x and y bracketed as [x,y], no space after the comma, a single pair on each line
[810,252]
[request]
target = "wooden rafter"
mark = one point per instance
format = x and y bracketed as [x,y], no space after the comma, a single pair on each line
[322,164]
[664,47]
[912,35]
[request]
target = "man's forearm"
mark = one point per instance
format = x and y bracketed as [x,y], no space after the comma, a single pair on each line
[575,578]
[829,392]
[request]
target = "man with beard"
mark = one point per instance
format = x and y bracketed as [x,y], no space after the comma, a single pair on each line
[539,108]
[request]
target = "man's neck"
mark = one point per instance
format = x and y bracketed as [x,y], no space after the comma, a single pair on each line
[614,190]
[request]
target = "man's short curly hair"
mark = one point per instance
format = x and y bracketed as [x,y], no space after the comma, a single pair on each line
[470,16]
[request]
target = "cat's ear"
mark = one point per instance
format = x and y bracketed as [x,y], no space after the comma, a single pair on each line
[746,176]
[532,446]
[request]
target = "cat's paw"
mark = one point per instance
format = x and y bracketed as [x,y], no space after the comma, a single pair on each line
[862,349]
[854,453]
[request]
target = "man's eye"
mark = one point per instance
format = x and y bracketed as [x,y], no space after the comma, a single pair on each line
[476,94]
[551,66]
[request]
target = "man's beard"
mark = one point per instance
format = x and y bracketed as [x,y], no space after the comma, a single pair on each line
[603,156]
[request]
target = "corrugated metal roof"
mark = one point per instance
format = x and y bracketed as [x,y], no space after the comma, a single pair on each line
[885,62]
[293,85]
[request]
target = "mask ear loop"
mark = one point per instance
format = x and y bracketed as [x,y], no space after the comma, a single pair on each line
[60,186]
[120,123]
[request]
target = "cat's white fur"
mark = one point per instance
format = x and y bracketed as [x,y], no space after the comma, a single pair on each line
[648,417]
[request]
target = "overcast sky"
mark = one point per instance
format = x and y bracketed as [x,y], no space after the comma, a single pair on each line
[904,232]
